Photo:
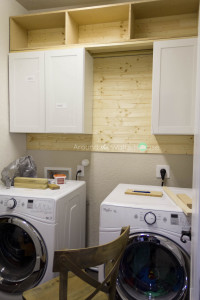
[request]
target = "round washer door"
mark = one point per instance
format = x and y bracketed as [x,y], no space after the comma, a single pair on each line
[153,267]
[23,255]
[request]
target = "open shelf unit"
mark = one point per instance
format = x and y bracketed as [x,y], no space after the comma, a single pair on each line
[120,23]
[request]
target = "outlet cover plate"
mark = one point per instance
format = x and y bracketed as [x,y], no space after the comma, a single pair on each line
[80,167]
[159,167]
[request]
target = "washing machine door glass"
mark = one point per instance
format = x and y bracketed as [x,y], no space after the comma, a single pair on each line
[152,267]
[23,255]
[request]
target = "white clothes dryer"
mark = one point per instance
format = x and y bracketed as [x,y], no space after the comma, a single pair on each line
[156,262]
[33,224]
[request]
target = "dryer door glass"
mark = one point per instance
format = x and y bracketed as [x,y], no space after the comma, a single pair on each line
[152,267]
[22,255]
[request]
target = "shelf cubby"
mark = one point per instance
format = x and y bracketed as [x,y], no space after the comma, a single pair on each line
[38,30]
[161,19]
[105,24]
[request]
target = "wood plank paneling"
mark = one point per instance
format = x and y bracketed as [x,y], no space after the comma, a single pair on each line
[121,113]
[104,33]
[46,37]
[166,27]
[79,142]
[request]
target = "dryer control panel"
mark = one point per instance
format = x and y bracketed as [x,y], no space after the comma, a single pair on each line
[40,208]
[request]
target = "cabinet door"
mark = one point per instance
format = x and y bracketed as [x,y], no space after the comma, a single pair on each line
[174,76]
[65,90]
[26,87]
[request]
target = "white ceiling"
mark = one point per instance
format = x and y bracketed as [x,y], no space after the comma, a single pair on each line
[49,4]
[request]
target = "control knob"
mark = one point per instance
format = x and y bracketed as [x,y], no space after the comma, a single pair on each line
[11,203]
[150,218]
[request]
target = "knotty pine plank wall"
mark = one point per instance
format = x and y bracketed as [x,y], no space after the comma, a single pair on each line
[121,112]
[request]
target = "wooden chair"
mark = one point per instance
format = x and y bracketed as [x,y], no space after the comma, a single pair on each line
[82,286]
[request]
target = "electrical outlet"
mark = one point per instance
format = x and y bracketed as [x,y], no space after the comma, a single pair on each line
[159,167]
[80,167]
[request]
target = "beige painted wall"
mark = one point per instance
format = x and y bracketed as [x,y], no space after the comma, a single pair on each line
[106,170]
[12,145]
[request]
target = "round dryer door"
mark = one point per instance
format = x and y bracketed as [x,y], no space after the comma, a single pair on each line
[153,267]
[23,255]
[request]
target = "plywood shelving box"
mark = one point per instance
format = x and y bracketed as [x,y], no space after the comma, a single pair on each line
[36,31]
[104,24]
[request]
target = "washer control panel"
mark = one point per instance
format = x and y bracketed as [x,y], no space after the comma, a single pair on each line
[40,208]
[115,216]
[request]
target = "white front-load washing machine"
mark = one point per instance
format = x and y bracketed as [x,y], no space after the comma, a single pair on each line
[33,224]
[156,262]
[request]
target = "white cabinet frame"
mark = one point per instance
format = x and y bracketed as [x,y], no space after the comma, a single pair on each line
[173,86]
[26,92]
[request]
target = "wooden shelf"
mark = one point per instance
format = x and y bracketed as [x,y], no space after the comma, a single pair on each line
[132,45]
[126,46]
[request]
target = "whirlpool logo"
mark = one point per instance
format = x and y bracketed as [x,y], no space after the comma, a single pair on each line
[109,210]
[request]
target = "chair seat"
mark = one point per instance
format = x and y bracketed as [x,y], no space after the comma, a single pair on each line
[77,290]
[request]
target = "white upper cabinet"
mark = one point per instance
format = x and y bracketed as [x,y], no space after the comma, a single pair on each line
[61,95]
[173,87]
[69,106]
[26,88]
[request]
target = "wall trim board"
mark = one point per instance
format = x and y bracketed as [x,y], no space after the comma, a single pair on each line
[68,142]
[121,113]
